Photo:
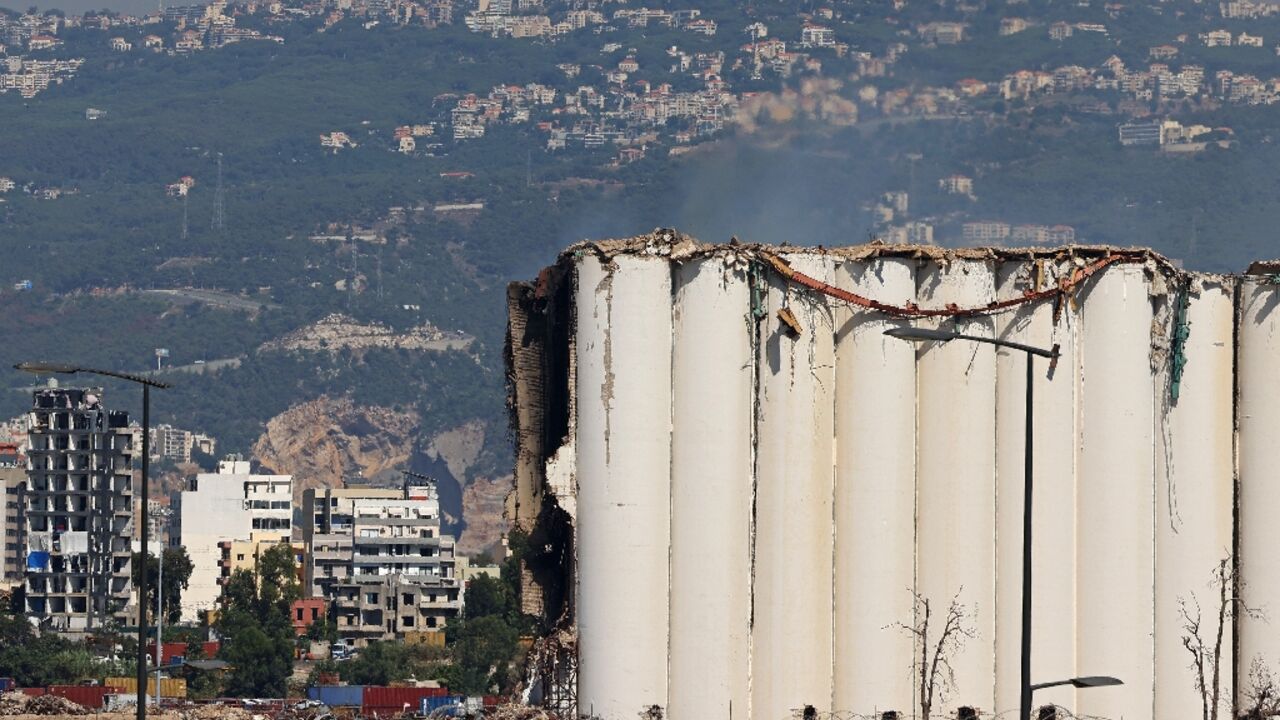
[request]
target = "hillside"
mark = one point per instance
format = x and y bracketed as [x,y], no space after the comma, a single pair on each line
[366,279]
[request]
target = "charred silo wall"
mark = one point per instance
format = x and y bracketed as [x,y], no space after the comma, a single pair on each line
[768,489]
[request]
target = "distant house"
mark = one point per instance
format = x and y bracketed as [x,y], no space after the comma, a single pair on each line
[1012,25]
[336,140]
[1247,40]
[942,33]
[1140,133]
[817,36]
[956,185]
[153,42]
[702,26]
[1163,52]
[43,42]
[119,44]
[94,114]
[7,185]
[1060,31]
[407,145]
[1216,38]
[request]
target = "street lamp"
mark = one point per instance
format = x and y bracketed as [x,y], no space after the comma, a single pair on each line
[916,334]
[147,384]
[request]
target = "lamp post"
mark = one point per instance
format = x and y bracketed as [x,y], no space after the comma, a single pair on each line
[147,384]
[915,334]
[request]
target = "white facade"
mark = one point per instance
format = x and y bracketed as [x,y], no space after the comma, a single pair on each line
[763,478]
[231,504]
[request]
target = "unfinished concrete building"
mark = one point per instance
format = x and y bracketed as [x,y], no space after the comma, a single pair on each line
[739,485]
[13,486]
[380,559]
[79,511]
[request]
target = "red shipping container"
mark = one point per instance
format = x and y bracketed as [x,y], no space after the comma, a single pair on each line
[90,696]
[492,700]
[391,700]
[180,649]
[33,692]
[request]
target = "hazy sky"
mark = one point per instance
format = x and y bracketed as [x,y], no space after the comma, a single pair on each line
[76,7]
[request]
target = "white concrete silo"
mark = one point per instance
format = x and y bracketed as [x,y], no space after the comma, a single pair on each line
[1053,494]
[874,493]
[791,639]
[623,441]
[1258,415]
[1115,504]
[955,466]
[711,492]
[1194,497]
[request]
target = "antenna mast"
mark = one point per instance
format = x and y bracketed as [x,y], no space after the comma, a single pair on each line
[219,209]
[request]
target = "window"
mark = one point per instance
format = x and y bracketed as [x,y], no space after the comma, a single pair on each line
[300,614]
[240,557]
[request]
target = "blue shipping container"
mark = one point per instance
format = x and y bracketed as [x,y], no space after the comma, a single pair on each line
[337,695]
[6,684]
[431,704]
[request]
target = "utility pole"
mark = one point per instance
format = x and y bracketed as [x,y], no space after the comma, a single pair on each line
[184,216]
[219,209]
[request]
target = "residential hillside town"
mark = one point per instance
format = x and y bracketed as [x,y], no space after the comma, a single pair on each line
[656,82]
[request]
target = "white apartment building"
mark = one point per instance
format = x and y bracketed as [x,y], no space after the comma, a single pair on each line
[231,504]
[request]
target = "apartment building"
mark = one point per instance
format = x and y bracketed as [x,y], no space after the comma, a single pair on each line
[13,485]
[178,444]
[244,554]
[379,557]
[79,510]
[232,504]
[328,515]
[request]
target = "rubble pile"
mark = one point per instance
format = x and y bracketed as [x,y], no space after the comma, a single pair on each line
[519,712]
[20,704]
[14,703]
[214,712]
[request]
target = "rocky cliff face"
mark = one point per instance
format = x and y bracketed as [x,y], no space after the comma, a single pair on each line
[327,440]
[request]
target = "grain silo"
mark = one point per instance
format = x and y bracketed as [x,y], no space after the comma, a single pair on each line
[743,491]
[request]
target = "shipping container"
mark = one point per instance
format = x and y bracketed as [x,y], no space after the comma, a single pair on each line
[429,705]
[338,695]
[89,696]
[389,700]
[6,684]
[169,687]
[172,650]
[33,692]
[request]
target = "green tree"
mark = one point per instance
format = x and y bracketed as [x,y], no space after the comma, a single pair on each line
[487,596]
[177,577]
[482,652]
[261,656]
[379,663]
[258,637]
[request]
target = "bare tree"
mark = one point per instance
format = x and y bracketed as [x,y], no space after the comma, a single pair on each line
[933,667]
[1262,693]
[1206,654]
